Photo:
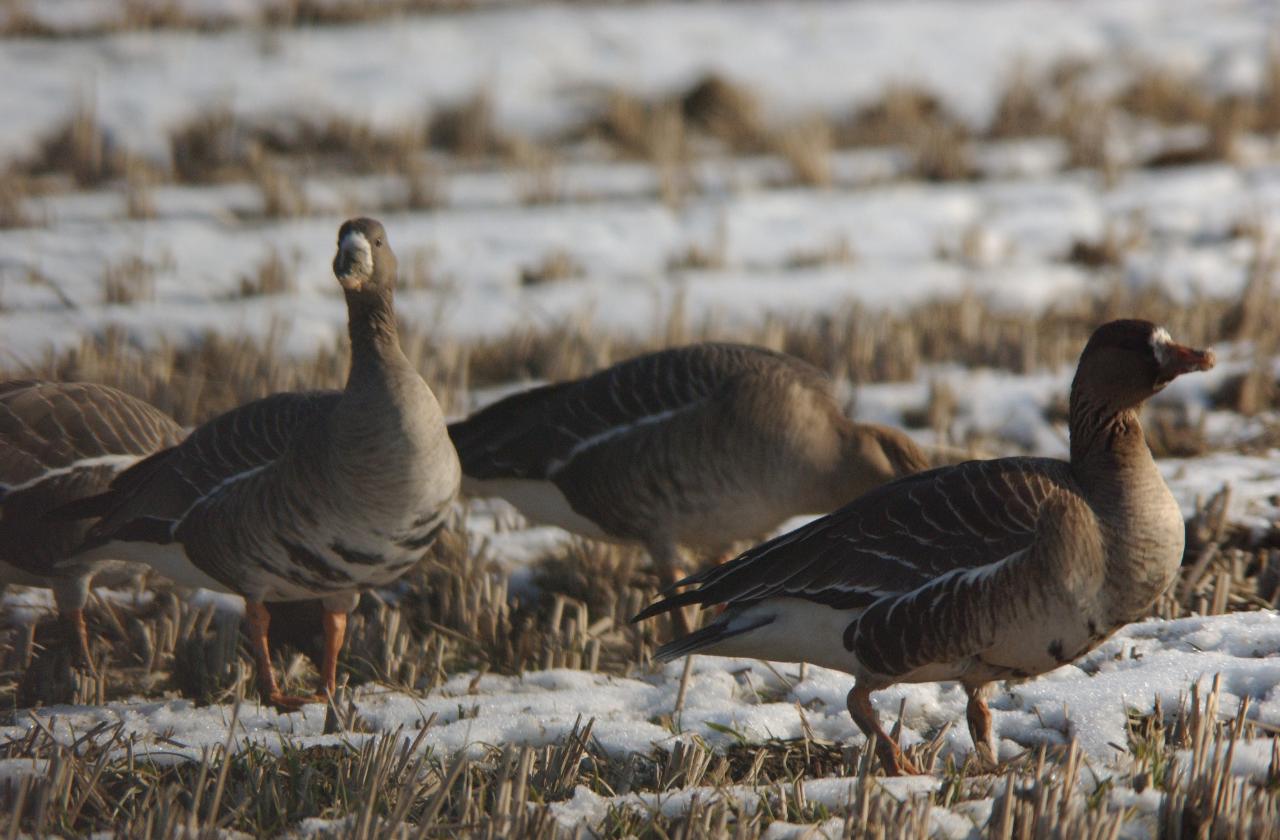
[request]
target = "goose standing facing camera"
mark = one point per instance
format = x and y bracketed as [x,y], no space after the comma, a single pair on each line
[302,495]
[977,572]
[59,442]
[698,446]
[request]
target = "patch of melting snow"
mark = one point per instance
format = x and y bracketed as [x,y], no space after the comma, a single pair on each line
[737,700]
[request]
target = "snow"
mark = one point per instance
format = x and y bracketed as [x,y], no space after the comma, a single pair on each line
[745,701]
[900,236]
[895,243]
[736,700]
[539,63]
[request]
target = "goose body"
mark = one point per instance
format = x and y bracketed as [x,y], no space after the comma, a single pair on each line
[302,495]
[697,446]
[977,572]
[62,441]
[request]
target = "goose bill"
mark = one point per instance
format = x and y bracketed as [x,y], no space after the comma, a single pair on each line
[1177,359]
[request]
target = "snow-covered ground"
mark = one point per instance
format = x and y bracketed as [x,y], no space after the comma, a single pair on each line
[894,244]
[541,62]
[543,66]
[745,701]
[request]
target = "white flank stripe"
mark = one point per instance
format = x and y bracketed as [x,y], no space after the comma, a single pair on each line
[222,485]
[617,431]
[116,462]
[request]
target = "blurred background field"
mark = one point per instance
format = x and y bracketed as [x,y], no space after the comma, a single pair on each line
[934,201]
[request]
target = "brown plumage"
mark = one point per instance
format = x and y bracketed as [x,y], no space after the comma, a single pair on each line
[697,446]
[299,496]
[62,441]
[976,572]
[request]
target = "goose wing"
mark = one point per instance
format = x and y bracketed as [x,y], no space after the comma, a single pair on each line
[52,429]
[64,441]
[538,433]
[150,500]
[892,540]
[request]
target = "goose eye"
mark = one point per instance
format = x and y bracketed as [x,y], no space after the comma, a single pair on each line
[377,242]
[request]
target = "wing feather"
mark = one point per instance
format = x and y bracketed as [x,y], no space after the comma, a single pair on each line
[166,487]
[537,433]
[893,540]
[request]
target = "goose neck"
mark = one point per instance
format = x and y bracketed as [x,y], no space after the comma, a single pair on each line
[371,324]
[1108,450]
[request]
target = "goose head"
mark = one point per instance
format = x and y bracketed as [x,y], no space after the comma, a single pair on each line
[1126,362]
[365,262]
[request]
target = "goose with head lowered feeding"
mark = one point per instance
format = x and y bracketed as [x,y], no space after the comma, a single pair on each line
[982,571]
[694,446]
[302,495]
[62,441]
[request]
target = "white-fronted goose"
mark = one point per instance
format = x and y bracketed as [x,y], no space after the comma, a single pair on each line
[696,446]
[62,441]
[304,495]
[977,572]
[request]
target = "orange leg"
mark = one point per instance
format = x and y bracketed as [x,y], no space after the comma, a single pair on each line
[890,755]
[257,620]
[335,630]
[75,620]
[979,718]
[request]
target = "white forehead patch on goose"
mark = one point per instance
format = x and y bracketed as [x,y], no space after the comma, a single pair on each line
[356,244]
[1161,341]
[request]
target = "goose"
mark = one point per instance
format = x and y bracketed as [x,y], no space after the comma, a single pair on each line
[302,495]
[978,572]
[62,441]
[697,446]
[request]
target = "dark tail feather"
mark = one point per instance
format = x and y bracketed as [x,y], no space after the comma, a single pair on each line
[90,507]
[706,637]
[668,604]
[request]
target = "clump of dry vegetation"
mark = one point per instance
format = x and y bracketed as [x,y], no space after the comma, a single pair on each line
[273,275]
[211,147]
[727,111]
[131,280]
[80,148]
[283,193]
[936,141]
[557,265]
[466,128]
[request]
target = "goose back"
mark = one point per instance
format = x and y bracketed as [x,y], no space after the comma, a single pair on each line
[705,444]
[60,442]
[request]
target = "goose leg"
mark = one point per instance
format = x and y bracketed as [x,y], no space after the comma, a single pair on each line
[979,718]
[70,597]
[890,754]
[666,560]
[335,630]
[257,620]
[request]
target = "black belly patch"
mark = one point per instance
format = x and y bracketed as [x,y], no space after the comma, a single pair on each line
[1057,652]
[356,558]
[413,542]
[313,563]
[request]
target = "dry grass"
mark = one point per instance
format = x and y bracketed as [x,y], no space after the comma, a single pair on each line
[283,194]
[856,343]
[273,275]
[210,148]
[1021,108]
[129,281]
[806,146]
[81,149]
[457,613]
[1118,240]
[558,265]
[914,119]
[389,785]
[466,128]
[14,195]
[727,111]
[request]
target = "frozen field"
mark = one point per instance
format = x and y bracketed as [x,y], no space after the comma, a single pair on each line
[939,219]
